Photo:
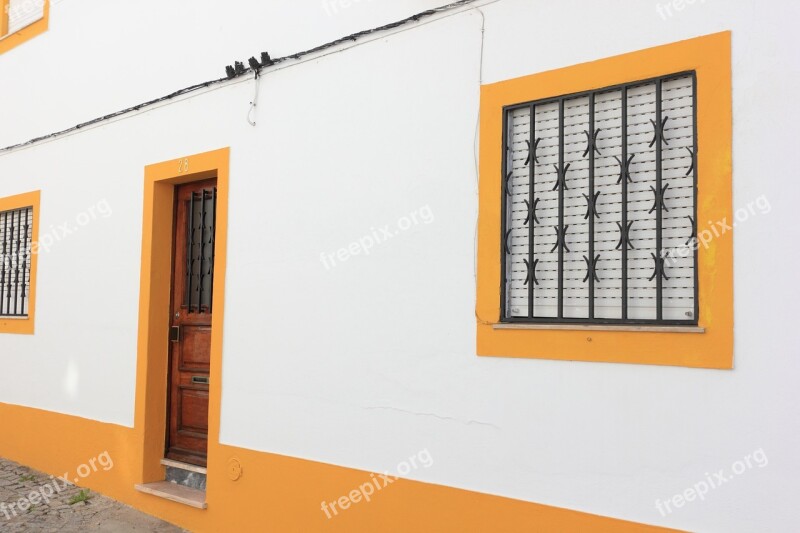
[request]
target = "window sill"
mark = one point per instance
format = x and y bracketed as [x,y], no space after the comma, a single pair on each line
[12,40]
[579,327]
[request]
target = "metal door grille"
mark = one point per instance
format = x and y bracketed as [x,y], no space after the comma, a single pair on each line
[599,194]
[200,226]
[15,261]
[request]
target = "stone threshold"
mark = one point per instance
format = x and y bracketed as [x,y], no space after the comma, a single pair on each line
[174,492]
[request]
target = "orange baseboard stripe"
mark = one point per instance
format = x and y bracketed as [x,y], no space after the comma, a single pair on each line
[274,492]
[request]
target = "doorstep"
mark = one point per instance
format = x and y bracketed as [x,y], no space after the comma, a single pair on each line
[176,493]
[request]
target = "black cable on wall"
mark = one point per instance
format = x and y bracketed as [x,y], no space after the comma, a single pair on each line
[240,70]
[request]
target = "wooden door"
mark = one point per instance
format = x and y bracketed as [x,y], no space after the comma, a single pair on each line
[190,332]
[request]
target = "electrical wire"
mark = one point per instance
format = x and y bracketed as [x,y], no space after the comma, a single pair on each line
[475,148]
[254,103]
[219,81]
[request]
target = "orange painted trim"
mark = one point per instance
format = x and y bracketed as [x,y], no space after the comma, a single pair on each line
[277,493]
[3,17]
[710,57]
[8,42]
[25,326]
[154,306]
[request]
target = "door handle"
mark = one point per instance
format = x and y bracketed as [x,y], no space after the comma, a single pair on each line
[200,380]
[175,334]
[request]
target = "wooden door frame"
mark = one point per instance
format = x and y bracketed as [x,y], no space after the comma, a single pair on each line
[150,417]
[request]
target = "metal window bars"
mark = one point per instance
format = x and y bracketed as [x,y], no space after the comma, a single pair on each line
[599,193]
[200,228]
[15,261]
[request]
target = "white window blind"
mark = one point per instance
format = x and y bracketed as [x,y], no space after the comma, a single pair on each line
[22,13]
[599,194]
[15,261]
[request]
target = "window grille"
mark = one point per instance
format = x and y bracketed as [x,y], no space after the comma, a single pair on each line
[599,194]
[201,224]
[15,261]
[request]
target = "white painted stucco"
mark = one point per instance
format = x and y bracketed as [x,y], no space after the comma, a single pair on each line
[367,362]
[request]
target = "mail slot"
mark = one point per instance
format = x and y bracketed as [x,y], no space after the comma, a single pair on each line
[200,380]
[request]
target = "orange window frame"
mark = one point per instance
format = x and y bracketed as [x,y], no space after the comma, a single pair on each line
[24,326]
[710,345]
[7,42]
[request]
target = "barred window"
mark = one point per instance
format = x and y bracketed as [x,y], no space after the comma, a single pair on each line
[15,261]
[599,206]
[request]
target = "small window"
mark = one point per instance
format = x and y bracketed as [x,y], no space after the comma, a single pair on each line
[199,217]
[599,206]
[21,20]
[16,231]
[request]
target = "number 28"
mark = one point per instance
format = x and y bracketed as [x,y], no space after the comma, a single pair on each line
[183,166]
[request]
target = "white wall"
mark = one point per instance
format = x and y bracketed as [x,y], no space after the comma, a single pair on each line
[99,57]
[373,360]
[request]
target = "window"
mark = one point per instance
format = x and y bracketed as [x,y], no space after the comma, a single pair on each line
[201,212]
[16,227]
[19,221]
[616,165]
[599,206]
[21,20]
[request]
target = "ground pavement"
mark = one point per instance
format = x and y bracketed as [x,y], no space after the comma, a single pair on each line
[67,510]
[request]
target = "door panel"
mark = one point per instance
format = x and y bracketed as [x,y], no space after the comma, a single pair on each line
[194,348]
[194,416]
[192,307]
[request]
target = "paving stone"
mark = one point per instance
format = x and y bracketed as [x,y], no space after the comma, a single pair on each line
[99,513]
